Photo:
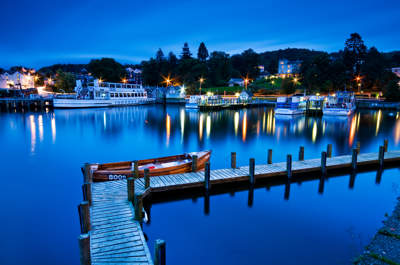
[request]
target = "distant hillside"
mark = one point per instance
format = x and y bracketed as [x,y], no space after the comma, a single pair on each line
[70,68]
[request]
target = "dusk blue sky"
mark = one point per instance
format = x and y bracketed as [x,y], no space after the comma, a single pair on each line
[38,33]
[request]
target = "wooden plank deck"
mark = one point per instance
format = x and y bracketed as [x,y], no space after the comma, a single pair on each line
[115,236]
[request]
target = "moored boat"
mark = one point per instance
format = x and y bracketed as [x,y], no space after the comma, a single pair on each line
[340,104]
[176,164]
[294,105]
[194,101]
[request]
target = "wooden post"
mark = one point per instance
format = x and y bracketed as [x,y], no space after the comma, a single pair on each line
[87,173]
[289,166]
[87,192]
[385,145]
[358,147]
[323,163]
[138,205]
[85,215]
[194,163]
[301,153]
[136,169]
[84,249]
[207,184]
[354,159]
[131,189]
[381,156]
[329,150]
[146,178]
[269,156]
[159,252]
[233,160]
[251,171]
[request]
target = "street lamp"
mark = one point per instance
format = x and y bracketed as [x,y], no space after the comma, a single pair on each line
[201,80]
[246,81]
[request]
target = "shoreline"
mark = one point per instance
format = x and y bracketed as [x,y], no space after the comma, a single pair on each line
[384,247]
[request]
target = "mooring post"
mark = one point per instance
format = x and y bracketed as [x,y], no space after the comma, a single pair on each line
[323,163]
[354,159]
[131,189]
[194,163]
[146,178]
[289,166]
[207,176]
[329,150]
[84,249]
[269,156]
[385,145]
[251,171]
[301,153]
[138,205]
[85,215]
[87,173]
[136,169]
[233,160]
[87,192]
[358,147]
[159,252]
[381,155]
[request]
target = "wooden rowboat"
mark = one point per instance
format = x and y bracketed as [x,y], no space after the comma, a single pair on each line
[168,165]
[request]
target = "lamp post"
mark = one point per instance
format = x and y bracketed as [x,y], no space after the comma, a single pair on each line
[246,81]
[201,80]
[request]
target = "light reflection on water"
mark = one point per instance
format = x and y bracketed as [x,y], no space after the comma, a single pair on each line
[49,148]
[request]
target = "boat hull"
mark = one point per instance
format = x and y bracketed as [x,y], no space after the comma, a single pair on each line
[337,112]
[98,103]
[123,170]
[283,111]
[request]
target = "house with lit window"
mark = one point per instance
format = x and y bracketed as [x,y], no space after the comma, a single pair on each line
[17,80]
[288,68]
[134,75]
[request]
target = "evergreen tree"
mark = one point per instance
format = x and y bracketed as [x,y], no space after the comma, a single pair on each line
[159,55]
[354,53]
[392,90]
[202,53]
[186,54]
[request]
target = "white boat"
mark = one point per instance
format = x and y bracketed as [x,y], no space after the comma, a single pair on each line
[104,94]
[194,101]
[175,95]
[294,105]
[340,104]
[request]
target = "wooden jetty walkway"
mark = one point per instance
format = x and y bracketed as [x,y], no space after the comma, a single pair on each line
[112,211]
[10,104]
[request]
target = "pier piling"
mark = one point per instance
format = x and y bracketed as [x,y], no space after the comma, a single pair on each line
[289,166]
[269,156]
[87,192]
[323,163]
[146,178]
[194,163]
[358,147]
[385,145]
[251,171]
[138,205]
[131,189]
[84,249]
[207,176]
[233,160]
[87,173]
[381,155]
[329,150]
[159,252]
[85,216]
[354,159]
[301,153]
[136,169]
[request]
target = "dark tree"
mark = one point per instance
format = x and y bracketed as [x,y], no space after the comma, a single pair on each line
[65,82]
[1,70]
[186,54]
[220,69]
[288,86]
[107,69]
[392,90]
[160,55]
[373,70]
[246,64]
[202,53]
[354,53]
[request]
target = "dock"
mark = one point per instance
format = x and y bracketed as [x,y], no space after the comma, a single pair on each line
[22,104]
[112,212]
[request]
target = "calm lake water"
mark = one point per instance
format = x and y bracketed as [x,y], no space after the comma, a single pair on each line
[42,154]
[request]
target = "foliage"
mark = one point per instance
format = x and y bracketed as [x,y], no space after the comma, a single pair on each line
[1,70]
[246,64]
[160,55]
[391,90]
[71,68]
[65,82]
[186,54]
[288,86]
[354,53]
[202,53]
[107,69]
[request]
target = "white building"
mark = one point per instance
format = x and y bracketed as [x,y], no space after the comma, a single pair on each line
[288,68]
[396,71]
[17,80]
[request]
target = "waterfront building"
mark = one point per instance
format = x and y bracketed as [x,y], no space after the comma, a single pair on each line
[17,80]
[288,68]
[134,75]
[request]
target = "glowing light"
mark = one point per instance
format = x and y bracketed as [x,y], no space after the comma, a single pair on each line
[244,127]
[208,126]
[40,125]
[378,122]
[53,129]
[201,80]
[352,132]
[182,116]
[263,125]
[33,132]
[397,133]
[201,120]
[104,120]
[168,128]
[314,132]
[210,94]
[124,80]
[236,122]
[237,94]
[258,128]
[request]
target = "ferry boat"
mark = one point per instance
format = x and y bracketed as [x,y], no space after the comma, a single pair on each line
[340,104]
[295,105]
[176,164]
[194,101]
[103,94]
[175,95]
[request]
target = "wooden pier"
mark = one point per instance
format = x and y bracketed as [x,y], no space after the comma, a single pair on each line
[112,212]
[22,104]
